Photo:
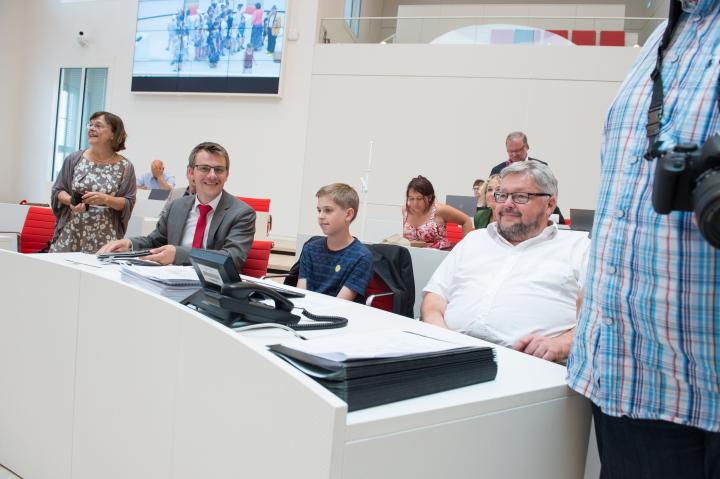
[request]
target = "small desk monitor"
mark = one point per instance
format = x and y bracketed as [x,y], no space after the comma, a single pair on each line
[216,269]
[581,220]
[466,204]
[213,269]
[158,194]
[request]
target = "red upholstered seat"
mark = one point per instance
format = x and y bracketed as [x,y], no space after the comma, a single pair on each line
[454,233]
[378,294]
[612,38]
[37,230]
[584,37]
[560,33]
[256,264]
[258,204]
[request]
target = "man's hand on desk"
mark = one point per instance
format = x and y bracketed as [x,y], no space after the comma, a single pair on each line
[163,255]
[116,246]
[551,349]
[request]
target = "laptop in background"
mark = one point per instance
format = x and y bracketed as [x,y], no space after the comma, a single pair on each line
[466,204]
[158,194]
[581,220]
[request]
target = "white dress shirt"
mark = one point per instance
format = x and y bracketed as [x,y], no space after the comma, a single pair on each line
[500,292]
[191,223]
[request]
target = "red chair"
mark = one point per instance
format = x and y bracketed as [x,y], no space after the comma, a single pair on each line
[37,230]
[256,264]
[454,233]
[378,294]
[560,33]
[258,204]
[612,38]
[584,37]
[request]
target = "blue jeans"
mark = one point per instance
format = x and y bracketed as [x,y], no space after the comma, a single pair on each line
[640,448]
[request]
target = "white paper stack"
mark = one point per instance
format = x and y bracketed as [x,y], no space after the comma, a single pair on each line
[173,282]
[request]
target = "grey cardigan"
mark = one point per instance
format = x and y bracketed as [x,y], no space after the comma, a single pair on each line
[63,182]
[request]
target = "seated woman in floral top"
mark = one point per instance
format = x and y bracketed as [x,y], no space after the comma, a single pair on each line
[426,220]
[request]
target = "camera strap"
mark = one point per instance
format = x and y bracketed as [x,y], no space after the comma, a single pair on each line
[655,111]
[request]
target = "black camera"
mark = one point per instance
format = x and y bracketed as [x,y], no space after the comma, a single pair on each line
[687,178]
[76,197]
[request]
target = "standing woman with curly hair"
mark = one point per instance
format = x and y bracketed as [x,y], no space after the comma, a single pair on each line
[94,194]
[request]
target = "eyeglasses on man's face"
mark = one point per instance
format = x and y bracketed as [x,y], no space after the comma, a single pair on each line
[205,169]
[97,125]
[519,198]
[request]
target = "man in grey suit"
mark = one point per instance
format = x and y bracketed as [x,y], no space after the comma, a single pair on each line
[210,219]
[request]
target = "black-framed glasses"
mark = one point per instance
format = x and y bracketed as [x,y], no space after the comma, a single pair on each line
[519,198]
[205,169]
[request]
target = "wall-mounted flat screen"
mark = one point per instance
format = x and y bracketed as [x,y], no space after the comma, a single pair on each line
[209,46]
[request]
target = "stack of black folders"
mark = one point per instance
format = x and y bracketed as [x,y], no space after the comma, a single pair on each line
[380,367]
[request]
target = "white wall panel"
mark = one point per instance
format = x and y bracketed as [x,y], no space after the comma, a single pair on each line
[444,112]
[12,32]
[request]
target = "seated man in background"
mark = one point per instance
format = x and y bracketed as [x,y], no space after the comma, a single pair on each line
[211,219]
[337,264]
[516,145]
[180,192]
[516,282]
[156,178]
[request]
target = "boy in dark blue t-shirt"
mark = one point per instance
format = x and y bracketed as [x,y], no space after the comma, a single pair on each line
[338,264]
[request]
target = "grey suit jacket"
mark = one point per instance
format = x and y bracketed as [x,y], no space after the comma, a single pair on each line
[232,229]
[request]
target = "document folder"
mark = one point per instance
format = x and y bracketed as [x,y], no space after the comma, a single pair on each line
[369,382]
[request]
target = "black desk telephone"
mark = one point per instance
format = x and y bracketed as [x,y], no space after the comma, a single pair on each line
[247,299]
[242,303]
[234,302]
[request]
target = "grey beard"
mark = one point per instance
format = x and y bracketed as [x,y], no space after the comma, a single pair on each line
[518,232]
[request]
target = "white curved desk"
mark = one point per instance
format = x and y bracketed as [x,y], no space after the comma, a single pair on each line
[101,379]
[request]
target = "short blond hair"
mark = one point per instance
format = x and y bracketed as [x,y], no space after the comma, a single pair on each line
[342,195]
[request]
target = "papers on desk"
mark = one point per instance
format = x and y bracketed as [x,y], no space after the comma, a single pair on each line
[389,344]
[173,282]
[370,369]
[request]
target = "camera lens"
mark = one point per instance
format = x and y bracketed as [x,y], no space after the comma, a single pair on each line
[706,198]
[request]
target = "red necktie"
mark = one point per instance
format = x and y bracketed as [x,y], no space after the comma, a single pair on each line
[200,227]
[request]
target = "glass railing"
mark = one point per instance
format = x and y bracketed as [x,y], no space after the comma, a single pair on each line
[560,31]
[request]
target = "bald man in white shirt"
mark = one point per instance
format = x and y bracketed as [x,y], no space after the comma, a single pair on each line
[517,282]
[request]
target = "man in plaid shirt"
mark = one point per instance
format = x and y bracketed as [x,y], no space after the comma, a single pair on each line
[647,347]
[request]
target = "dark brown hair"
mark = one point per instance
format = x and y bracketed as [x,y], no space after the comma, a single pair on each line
[213,149]
[117,126]
[423,186]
